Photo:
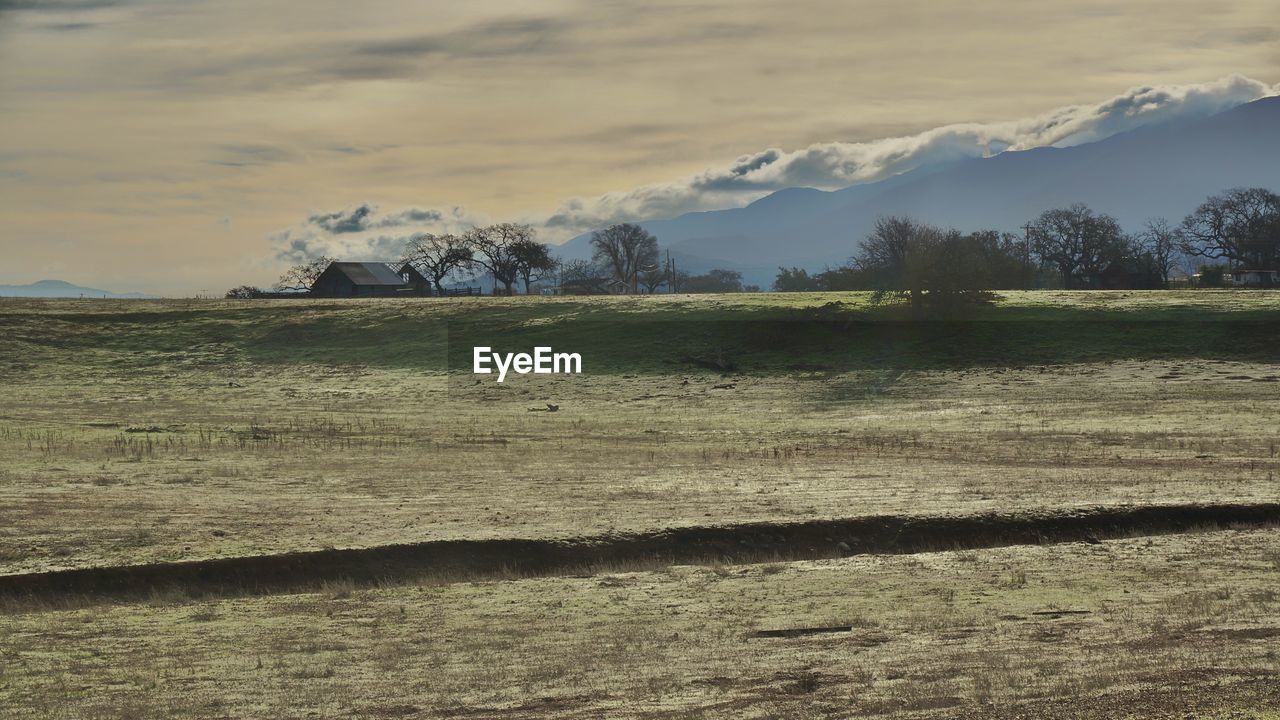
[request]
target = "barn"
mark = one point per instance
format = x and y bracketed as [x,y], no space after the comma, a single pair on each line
[358,279]
[414,279]
[1127,275]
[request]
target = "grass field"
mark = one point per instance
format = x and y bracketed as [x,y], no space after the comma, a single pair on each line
[1172,627]
[138,432]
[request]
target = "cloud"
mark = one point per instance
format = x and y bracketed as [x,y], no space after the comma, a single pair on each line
[360,149]
[57,5]
[248,155]
[351,220]
[69,26]
[353,232]
[608,32]
[297,247]
[414,216]
[303,60]
[497,38]
[838,164]
[364,217]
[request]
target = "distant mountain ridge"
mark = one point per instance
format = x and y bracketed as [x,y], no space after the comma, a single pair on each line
[63,289]
[1163,170]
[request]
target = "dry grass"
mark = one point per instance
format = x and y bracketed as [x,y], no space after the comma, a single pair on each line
[413,461]
[163,434]
[934,635]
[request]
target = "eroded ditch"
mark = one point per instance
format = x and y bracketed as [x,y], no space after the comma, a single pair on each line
[470,560]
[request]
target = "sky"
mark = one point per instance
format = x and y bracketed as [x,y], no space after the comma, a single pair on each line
[181,148]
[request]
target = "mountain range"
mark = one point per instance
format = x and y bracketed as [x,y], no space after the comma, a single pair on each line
[62,289]
[1164,170]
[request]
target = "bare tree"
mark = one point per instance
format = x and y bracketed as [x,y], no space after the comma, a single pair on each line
[1076,241]
[891,245]
[533,260]
[899,256]
[653,277]
[436,256]
[679,280]
[627,249]
[242,292]
[497,250]
[1241,225]
[583,277]
[1160,243]
[304,275]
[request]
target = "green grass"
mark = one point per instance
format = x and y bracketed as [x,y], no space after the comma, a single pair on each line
[764,333]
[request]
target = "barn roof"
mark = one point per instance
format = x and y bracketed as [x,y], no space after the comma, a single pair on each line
[413,272]
[368,273]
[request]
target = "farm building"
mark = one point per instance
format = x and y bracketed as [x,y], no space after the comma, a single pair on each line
[1255,278]
[358,279]
[414,279]
[1127,275]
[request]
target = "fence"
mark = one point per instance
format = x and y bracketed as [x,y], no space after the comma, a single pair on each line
[462,291]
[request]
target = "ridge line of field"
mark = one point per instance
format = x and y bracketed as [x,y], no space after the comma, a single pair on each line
[445,561]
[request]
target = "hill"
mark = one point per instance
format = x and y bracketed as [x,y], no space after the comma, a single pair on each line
[1163,170]
[63,289]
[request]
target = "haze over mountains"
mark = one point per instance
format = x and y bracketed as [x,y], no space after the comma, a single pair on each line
[1162,170]
[63,289]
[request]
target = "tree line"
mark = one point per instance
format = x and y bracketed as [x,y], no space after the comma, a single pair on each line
[625,259]
[508,252]
[1072,247]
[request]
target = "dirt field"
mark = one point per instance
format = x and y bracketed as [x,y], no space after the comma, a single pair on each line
[161,431]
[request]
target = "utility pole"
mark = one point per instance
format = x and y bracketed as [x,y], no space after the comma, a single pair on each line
[1026,255]
[670,288]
